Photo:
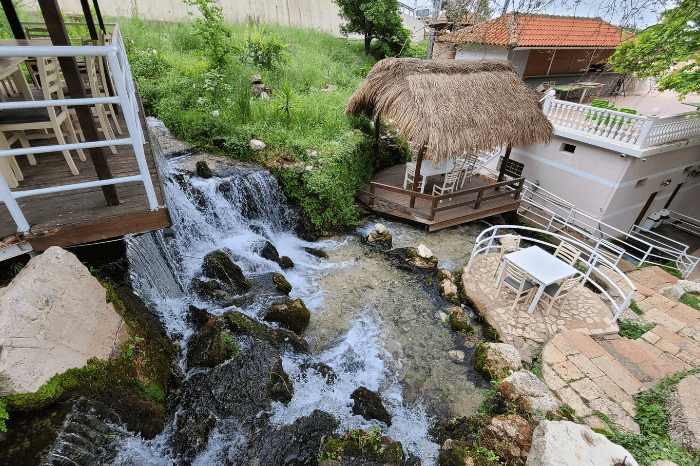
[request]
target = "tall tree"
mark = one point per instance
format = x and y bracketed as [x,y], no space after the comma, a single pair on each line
[376,19]
[666,51]
[468,10]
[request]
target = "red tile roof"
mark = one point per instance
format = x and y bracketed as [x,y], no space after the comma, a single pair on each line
[526,30]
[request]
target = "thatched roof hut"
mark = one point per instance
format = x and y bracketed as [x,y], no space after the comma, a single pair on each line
[453,106]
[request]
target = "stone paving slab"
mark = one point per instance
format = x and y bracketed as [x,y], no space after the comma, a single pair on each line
[583,311]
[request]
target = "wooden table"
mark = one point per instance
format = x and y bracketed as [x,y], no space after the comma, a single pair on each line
[12,66]
[541,266]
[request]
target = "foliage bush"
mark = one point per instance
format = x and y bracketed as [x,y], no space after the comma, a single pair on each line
[213,30]
[691,300]
[258,47]
[633,330]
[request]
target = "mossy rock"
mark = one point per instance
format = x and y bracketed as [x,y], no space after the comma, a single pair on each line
[460,323]
[206,348]
[463,455]
[361,447]
[368,404]
[480,311]
[292,314]
[218,265]
[240,324]
[496,360]
[444,274]
[285,262]
[281,283]
[203,170]
[421,262]
[449,292]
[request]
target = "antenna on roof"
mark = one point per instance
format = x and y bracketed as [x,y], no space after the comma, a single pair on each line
[505,7]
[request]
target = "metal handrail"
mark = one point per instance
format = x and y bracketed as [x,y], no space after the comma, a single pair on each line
[486,241]
[125,97]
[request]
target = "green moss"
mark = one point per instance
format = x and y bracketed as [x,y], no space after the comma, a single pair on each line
[234,349]
[370,446]
[459,323]
[489,331]
[281,283]
[480,357]
[443,274]
[635,308]
[633,330]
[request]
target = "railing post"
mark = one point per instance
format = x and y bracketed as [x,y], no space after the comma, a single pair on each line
[646,254]
[134,129]
[594,260]
[433,206]
[479,196]
[13,207]
[372,188]
[646,128]
[625,303]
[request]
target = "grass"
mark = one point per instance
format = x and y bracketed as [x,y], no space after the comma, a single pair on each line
[635,308]
[305,122]
[633,330]
[670,267]
[691,300]
[653,443]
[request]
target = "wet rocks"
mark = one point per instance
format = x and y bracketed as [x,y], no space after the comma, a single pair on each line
[459,453]
[320,253]
[203,170]
[291,314]
[240,324]
[269,252]
[528,392]
[285,263]
[206,348]
[459,322]
[449,292]
[564,442]
[380,236]
[218,265]
[362,448]
[684,412]
[281,283]
[497,360]
[368,404]
[323,370]
[510,437]
[422,257]
[444,274]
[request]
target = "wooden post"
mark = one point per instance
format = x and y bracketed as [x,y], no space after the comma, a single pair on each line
[416,178]
[59,36]
[375,147]
[519,188]
[88,19]
[479,196]
[12,18]
[502,173]
[99,16]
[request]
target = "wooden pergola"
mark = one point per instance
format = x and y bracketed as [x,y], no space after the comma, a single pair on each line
[58,33]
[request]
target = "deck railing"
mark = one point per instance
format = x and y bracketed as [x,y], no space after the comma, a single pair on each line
[683,222]
[621,128]
[125,97]
[511,188]
[556,215]
[589,262]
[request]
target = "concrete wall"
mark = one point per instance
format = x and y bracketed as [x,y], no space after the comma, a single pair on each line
[321,15]
[629,199]
[480,52]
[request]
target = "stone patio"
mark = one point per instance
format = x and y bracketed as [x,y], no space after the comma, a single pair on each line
[584,310]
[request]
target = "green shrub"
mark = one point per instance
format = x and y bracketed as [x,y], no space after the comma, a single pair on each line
[258,47]
[635,308]
[4,416]
[691,301]
[148,64]
[185,38]
[633,330]
[213,30]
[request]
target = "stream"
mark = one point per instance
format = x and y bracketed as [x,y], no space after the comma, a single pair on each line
[374,324]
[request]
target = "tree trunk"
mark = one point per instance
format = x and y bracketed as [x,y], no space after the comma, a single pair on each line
[368,41]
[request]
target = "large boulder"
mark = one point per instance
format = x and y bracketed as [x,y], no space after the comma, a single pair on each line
[291,314]
[497,360]
[557,443]
[448,290]
[218,265]
[53,317]
[205,347]
[459,322]
[269,252]
[361,448]
[380,236]
[528,392]
[684,422]
[510,437]
[368,404]
[281,283]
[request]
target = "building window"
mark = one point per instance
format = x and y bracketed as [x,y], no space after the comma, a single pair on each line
[512,167]
[570,148]
[641,182]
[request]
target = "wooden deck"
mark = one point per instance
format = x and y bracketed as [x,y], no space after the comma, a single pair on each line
[478,199]
[81,216]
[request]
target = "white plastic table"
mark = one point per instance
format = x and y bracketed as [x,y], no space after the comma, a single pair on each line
[541,266]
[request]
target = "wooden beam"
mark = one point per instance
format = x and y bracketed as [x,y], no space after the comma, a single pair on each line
[69,66]
[88,19]
[506,159]
[99,16]
[416,178]
[13,19]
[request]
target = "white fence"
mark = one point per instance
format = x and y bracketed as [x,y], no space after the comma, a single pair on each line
[619,127]
[589,261]
[125,97]
[556,215]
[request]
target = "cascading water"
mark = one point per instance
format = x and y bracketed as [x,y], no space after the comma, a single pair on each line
[238,210]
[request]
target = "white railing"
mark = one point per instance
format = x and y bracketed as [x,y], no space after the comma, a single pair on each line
[589,260]
[683,222]
[125,97]
[621,128]
[556,215]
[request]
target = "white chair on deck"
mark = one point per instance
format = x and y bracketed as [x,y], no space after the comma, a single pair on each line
[556,292]
[410,178]
[516,279]
[567,253]
[509,243]
[467,165]
[448,184]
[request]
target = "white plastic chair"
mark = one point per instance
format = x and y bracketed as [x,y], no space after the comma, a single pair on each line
[509,243]
[556,292]
[516,279]
[448,184]
[567,253]
[410,178]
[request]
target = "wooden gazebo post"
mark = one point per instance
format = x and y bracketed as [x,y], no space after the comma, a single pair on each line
[69,66]
[13,19]
[504,162]
[416,178]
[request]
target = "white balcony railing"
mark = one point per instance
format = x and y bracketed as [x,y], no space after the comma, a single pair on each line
[620,129]
[125,97]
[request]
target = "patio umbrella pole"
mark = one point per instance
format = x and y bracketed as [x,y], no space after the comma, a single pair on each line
[416,178]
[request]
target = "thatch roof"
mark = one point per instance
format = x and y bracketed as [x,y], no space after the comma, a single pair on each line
[453,105]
